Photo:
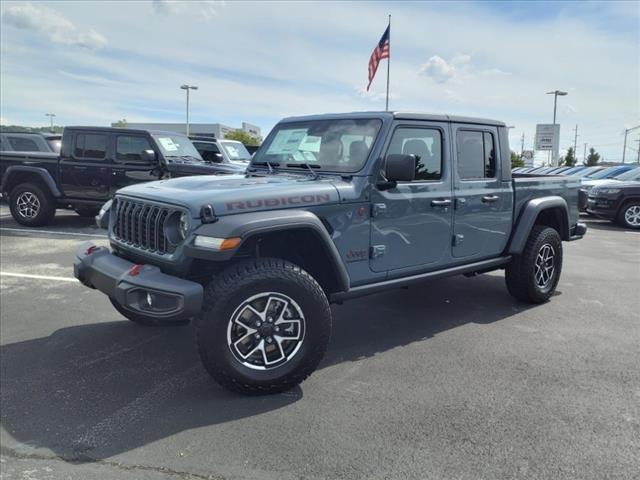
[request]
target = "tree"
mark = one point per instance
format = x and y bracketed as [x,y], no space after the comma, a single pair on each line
[570,158]
[593,158]
[242,136]
[516,160]
[122,123]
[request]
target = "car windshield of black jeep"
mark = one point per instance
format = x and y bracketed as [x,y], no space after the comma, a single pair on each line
[177,146]
[339,145]
[235,150]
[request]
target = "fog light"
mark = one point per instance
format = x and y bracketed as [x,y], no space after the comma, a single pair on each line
[153,302]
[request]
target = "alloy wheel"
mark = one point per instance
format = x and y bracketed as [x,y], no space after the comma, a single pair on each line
[266,331]
[28,205]
[545,266]
[632,215]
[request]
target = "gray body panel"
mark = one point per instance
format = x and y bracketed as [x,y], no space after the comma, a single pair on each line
[376,236]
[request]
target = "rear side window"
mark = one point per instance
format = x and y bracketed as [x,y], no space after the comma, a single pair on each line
[476,154]
[20,144]
[129,148]
[90,145]
[425,144]
[208,151]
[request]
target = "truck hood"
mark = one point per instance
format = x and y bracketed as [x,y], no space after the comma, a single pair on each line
[238,193]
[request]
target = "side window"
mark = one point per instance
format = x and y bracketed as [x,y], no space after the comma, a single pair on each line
[425,144]
[20,144]
[208,151]
[129,149]
[89,145]
[476,154]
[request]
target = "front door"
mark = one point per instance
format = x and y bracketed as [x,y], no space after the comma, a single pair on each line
[129,166]
[483,202]
[85,173]
[411,223]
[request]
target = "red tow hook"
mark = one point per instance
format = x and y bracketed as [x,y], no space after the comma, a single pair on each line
[135,270]
[91,249]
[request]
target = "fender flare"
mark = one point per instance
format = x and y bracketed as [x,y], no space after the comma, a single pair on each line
[43,173]
[247,225]
[527,219]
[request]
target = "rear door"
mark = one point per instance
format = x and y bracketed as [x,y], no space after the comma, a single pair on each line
[85,172]
[129,166]
[411,223]
[483,202]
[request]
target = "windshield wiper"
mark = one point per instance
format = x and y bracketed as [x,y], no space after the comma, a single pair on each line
[307,166]
[268,164]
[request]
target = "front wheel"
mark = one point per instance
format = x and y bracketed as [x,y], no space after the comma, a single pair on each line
[32,205]
[264,327]
[629,215]
[533,275]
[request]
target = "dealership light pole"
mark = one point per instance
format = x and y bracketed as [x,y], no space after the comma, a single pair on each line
[187,88]
[624,148]
[51,115]
[555,94]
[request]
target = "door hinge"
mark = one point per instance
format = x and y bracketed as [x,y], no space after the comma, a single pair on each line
[377,251]
[457,239]
[378,209]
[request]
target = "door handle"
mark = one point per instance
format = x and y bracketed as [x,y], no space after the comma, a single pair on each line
[441,203]
[490,198]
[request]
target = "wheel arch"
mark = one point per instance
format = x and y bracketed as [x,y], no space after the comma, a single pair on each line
[299,236]
[548,211]
[18,174]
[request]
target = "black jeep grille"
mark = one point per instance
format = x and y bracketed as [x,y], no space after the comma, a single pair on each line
[142,225]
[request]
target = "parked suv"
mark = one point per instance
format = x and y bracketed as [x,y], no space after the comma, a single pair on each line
[93,163]
[618,199]
[23,142]
[332,207]
[229,156]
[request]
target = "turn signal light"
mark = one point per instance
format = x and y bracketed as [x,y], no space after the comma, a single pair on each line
[217,243]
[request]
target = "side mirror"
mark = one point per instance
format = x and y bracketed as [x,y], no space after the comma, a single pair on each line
[400,168]
[102,219]
[148,156]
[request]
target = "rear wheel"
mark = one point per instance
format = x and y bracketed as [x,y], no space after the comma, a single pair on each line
[141,320]
[629,215]
[533,275]
[264,327]
[32,205]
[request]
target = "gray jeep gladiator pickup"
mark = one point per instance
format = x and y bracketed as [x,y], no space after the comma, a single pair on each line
[332,207]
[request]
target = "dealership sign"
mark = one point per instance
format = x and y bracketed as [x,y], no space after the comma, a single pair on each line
[547,136]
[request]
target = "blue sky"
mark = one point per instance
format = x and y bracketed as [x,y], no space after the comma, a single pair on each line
[97,62]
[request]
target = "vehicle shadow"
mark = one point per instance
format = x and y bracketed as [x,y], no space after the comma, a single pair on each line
[596,223]
[92,391]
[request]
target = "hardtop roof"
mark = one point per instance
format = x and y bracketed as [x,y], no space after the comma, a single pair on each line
[398,115]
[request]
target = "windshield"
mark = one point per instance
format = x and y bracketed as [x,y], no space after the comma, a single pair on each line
[235,150]
[633,174]
[176,146]
[338,145]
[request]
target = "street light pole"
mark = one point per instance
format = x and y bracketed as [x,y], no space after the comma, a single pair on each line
[50,115]
[555,94]
[624,148]
[187,88]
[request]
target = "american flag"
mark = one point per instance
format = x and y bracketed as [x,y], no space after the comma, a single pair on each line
[381,51]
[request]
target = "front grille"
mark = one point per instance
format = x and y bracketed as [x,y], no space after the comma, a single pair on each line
[143,225]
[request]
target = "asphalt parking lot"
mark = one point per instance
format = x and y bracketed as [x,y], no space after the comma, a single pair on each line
[447,380]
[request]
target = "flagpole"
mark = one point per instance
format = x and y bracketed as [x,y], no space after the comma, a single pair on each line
[388,66]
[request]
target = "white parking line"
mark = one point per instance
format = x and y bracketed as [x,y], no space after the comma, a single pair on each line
[38,277]
[51,231]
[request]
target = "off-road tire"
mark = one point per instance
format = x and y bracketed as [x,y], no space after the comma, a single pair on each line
[622,220]
[232,288]
[87,212]
[521,271]
[46,205]
[140,320]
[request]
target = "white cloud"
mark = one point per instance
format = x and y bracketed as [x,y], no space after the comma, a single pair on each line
[52,25]
[461,59]
[206,9]
[494,71]
[438,69]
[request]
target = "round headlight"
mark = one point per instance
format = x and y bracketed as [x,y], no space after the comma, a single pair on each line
[183,226]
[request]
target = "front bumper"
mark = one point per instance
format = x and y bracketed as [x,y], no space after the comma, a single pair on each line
[142,289]
[602,207]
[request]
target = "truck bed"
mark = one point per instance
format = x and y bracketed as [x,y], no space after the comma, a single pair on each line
[528,187]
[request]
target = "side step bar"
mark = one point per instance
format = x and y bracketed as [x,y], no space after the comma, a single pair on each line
[484,266]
